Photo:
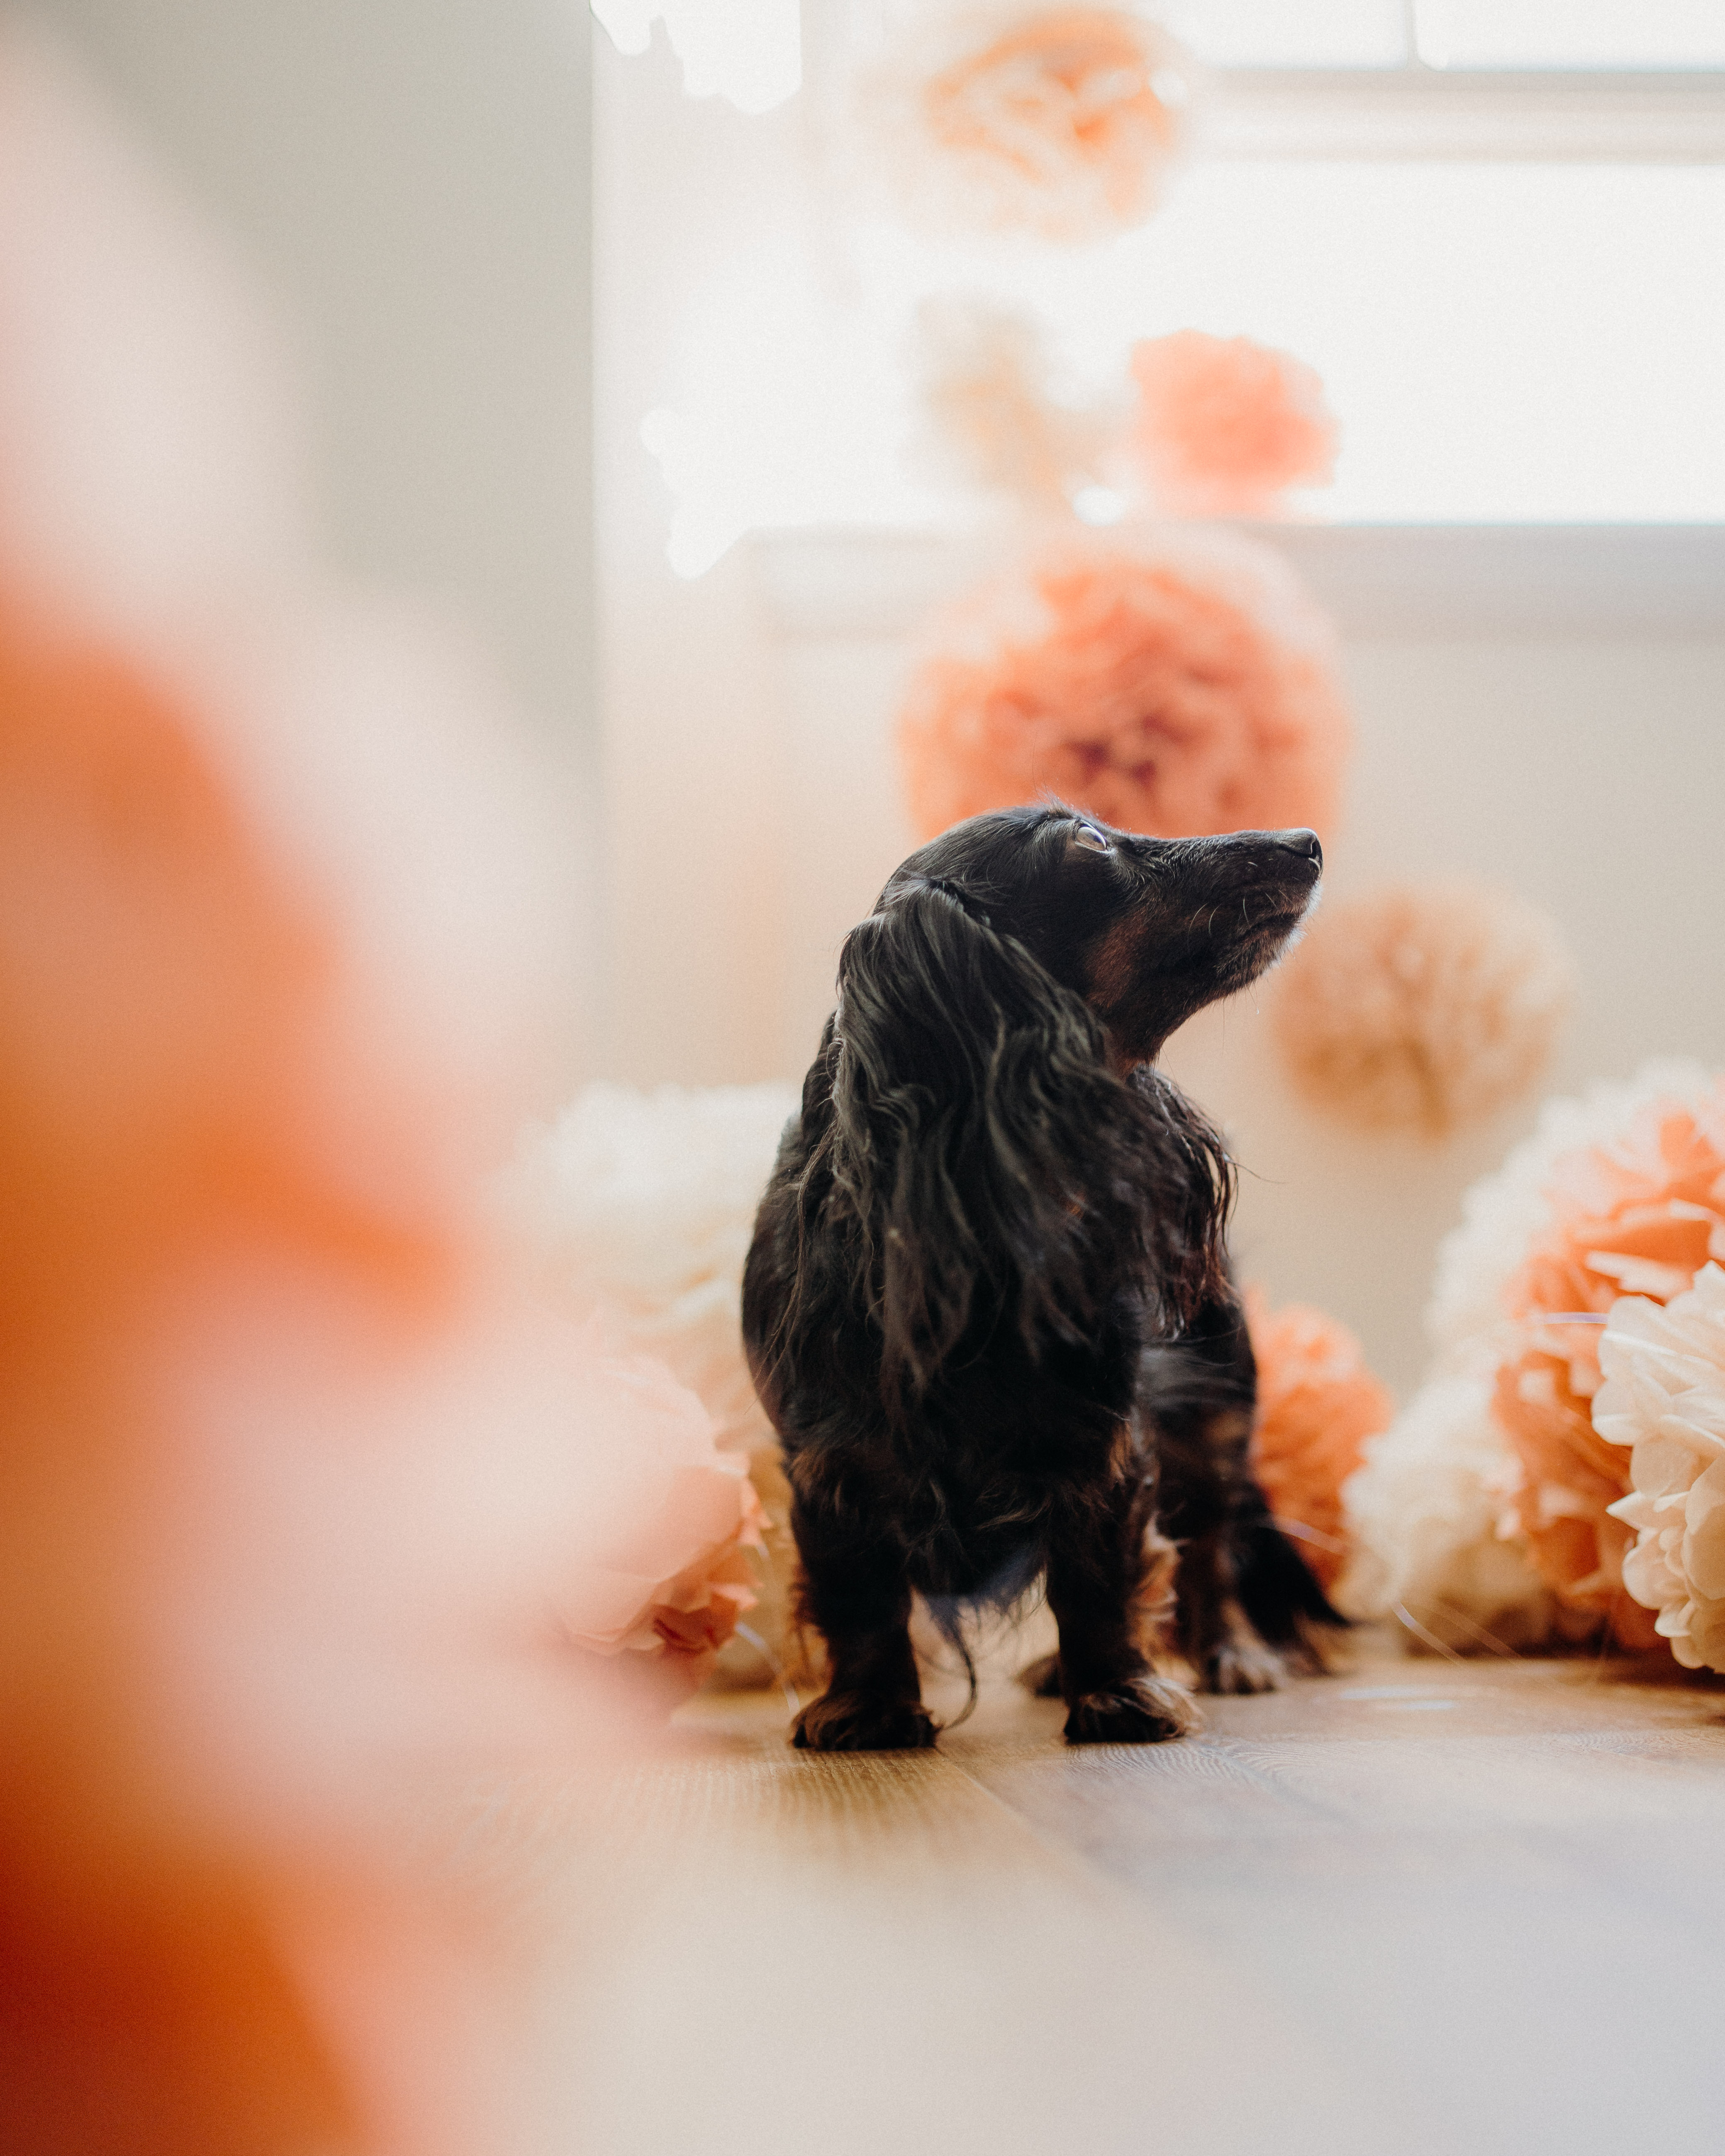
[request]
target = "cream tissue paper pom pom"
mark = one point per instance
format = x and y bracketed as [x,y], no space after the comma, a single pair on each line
[1428,1511]
[1664,1395]
[1423,1008]
[645,1202]
[990,418]
[642,1206]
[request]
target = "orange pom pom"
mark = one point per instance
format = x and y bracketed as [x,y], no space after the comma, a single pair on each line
[1180,688]
[1640,1217]
[1224,427]
[1317,1405]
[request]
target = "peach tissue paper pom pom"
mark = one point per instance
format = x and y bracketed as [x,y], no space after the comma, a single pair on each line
[1484,1512]
[990,418]
[1225,427]
[1012,116]
[1317,1405]
[1664,1396]
[1423,1008]
[1179,685]
[1640,1215]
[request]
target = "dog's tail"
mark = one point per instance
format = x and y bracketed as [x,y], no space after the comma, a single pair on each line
[1278,1589]
[1001,1602]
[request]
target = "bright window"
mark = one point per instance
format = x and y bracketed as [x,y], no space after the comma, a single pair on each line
[1453,34]
[1505,337]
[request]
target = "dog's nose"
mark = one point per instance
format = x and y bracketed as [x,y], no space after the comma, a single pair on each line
[1304,842]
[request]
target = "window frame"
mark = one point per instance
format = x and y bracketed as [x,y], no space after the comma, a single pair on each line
[1389,582]
[1462,115]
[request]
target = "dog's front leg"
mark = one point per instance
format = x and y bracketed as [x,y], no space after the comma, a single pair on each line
[855,1594]
[1098,1562]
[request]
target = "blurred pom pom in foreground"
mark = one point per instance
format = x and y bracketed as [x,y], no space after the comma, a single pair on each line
[1059,123]
[302,1496]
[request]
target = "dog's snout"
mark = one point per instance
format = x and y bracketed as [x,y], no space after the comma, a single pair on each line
[1305,843]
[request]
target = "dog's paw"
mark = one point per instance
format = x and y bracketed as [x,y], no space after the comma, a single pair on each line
[1244,1666]
[1042,1677]
[1143,1710]
[856,1722]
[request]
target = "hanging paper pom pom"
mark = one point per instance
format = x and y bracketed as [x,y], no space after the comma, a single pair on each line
[1483,1510]
[1664,1395]
[1014,116]
[1317,1405]
[1180,686]
[1224,427]
[1423,1008]
[990,419]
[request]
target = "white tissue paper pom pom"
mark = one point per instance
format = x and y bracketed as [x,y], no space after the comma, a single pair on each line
[1664,1395]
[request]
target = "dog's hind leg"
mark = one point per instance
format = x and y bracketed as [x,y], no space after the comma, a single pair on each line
[855,1594]
[1099,1554]
[1198,1394]
[1212,1628]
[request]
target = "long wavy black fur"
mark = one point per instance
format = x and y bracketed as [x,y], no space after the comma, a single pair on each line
[991,1217]
[985,1158]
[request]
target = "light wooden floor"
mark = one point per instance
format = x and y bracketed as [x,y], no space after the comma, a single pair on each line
[1420,1906]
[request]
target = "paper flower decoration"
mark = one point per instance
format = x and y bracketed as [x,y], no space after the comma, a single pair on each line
[643,1205]
[1015,116]
[645,1202]
[296,1478]
[990,419]
[1505,1213]
[1664,1396]
[1640,1215]
[1425,1517]
[1423,1008]
[1225,427]
[671,1576]
[1317,1405]
[1483,1509]
[1178,687]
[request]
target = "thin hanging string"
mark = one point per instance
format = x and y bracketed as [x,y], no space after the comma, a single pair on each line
[791,1698]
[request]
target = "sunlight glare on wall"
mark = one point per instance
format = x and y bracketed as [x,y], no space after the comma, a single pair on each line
[749,51]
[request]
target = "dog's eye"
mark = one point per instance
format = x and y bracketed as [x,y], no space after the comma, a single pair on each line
[1091,839]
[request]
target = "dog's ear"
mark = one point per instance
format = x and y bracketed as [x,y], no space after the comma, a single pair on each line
[988,1154]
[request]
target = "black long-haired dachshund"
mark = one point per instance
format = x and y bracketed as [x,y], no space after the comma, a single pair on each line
[987,1305]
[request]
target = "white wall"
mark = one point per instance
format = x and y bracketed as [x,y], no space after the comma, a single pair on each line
[413,181]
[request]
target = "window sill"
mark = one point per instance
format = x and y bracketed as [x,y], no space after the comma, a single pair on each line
[1488,581]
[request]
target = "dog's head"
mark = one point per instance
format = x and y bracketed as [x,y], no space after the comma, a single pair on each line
[991,1125]
[1146,931]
